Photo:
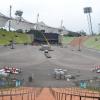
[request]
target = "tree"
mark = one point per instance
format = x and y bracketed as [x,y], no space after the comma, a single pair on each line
[19,31]
[19,13]
[82,32]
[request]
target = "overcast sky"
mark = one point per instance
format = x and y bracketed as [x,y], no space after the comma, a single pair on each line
[53,11]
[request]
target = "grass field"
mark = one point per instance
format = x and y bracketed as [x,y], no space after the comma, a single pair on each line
[67,39]
[21,38]
[6,37]
[93,42]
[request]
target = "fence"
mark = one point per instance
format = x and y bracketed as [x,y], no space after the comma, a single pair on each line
[74,94]
[20,93]
[29,93]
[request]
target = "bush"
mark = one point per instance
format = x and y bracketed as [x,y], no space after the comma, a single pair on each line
[19,31]
[16,35]
[3,35]
[96,39]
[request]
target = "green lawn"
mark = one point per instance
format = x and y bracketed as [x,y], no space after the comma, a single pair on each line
[6,37]
[93,42]
[23,38]
[67,39]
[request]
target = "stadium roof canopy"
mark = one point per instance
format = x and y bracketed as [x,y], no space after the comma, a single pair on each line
[3,20]
[21,23]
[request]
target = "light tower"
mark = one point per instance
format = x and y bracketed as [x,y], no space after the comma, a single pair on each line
[12,41]
[88,10]
[10,18]
[99,28]
[37,21]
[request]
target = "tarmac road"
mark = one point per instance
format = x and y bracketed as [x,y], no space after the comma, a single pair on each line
[34,63]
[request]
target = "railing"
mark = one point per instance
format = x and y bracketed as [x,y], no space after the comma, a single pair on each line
[70,93]
[22,93]
[52,92]
[29,93]
[38,91]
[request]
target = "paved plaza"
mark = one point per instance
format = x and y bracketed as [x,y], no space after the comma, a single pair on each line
[33,62]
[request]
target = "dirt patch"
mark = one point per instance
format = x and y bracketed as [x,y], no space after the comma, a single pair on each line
[78,41]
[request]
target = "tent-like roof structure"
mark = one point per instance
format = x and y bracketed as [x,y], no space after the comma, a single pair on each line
[21,23]
[3,20]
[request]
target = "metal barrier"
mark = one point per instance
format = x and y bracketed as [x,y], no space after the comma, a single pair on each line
[38,91]
[29,93]
[20,93]
[71,93]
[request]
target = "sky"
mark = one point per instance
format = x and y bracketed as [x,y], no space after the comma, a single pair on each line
[51,12]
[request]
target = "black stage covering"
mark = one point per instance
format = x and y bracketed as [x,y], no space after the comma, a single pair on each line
[41,36]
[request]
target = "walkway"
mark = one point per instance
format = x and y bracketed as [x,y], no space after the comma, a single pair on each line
[45,95]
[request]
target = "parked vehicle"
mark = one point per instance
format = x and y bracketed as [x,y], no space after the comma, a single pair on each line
[98,71]
[47,54]
[46,51]
[10,70]
[3,73]
[45,47]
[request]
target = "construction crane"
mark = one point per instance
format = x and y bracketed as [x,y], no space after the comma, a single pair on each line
[47,41]
[42,32]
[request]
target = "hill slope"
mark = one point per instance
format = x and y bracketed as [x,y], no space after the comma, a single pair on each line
[6,37]
[93,42]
